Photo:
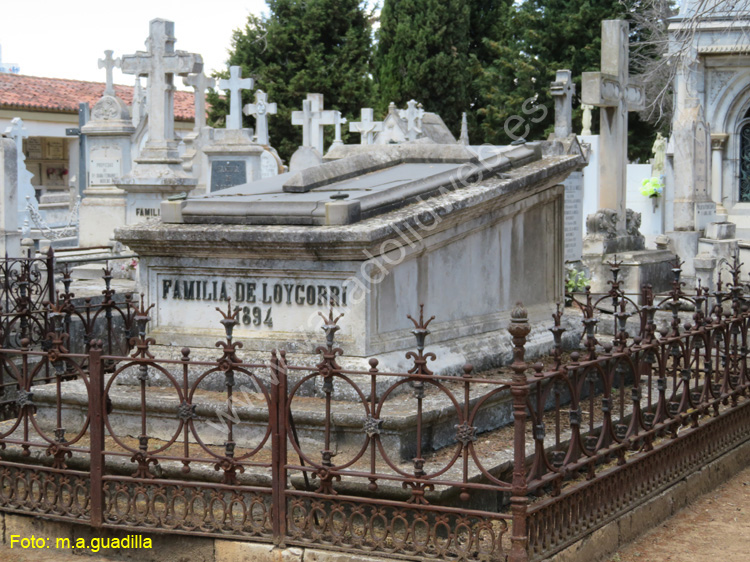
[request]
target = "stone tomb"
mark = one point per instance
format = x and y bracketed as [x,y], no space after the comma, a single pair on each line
[378,233]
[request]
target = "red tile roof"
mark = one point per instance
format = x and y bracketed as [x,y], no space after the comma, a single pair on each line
[33,93]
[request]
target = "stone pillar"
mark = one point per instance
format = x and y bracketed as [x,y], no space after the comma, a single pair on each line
[718,142]
[108,134]
[10,237]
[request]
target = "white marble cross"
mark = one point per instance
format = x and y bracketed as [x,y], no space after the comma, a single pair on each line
[235,84]
[563,89]
[18,132]
[200,83]
[109,63]
[160,63]
[313,119]
[413,115]
[337,122]
[367,126]
[612,92]
[261,109]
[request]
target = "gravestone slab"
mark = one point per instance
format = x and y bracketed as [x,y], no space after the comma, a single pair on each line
[573,216]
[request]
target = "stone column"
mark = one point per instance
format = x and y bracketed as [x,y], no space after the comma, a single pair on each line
[10,237]
[718,142]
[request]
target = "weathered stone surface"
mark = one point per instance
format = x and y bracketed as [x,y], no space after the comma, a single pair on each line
[236,551]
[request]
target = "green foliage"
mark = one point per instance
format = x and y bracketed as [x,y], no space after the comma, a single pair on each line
[545,36]
[575,280]
[423,53]
[300,47]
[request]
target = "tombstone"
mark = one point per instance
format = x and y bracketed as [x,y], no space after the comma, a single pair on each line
[613,231]
[10,236]
[562,90]
[191,158]
[412,123]
[108,131]
[234,85]
[157,172]
[233,156]
[18,132]
[612,91]
[366,126]
[283,247]
[261,109]
[313,120]
[338,120]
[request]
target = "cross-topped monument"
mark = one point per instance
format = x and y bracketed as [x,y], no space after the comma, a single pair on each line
[18,132]
[413,115]
[160,63]
[200,83]
[563,89]
[109,64]
[234,85]
[338,120]
[612,91]
[261,109]
[313,119]
[367,126]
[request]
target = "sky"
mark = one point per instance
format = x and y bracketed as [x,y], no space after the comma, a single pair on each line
[65,39]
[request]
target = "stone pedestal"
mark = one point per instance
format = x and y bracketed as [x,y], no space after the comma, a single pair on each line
[604,244]
[230,157]
[108,134]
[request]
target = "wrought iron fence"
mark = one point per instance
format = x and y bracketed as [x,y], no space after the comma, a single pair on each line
[514,464]
[32,308]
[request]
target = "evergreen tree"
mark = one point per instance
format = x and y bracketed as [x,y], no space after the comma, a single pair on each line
[546,36]
[301,47]
[423,54]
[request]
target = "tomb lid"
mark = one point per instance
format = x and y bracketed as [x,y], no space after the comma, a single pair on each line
[353,188]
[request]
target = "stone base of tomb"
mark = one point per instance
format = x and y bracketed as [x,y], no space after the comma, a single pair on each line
[102,210]
[250,422]
[637,268]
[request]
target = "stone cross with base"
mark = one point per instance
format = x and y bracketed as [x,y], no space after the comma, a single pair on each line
[563,89]
[160,63]
[235,84]
[109,63]
[367,126]
[413,115]
[338,120]
[200,83]
[261,109]
[313,119]
[612,92]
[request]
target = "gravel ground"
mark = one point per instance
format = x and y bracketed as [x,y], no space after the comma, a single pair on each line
[715,528]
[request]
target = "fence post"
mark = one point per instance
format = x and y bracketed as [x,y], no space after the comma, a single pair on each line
[96,428]
[519,328]
[278,419]
[51,274]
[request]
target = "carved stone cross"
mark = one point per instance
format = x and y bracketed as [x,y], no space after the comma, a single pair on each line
[160,63]
[413,115]
[612,92]
[235,84]
[338,120]
[200,83]
[563,89]
[367,126]
[261,109]
[313,119]
[109,63]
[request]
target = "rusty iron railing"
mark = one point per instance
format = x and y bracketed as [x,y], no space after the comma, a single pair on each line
[508,465]
[31,309]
